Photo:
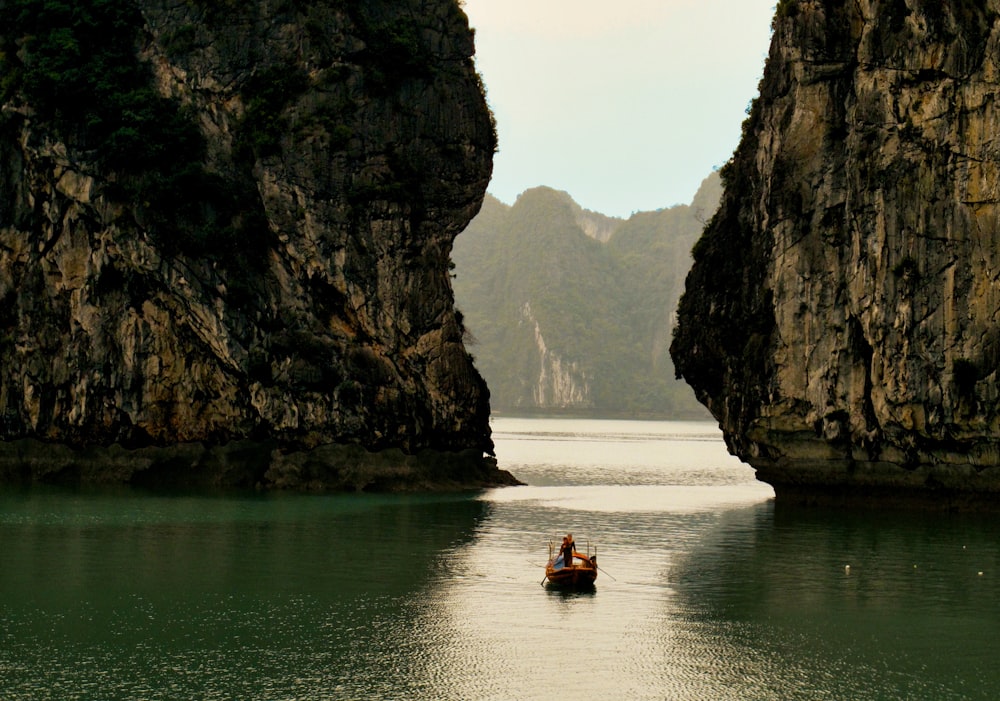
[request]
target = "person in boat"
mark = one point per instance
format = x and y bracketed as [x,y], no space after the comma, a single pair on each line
[568,547]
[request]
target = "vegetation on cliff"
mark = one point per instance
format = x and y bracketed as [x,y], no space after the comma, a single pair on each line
[76,67]
[563,321]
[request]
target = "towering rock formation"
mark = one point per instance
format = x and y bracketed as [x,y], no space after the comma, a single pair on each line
[841,317]
[225,231]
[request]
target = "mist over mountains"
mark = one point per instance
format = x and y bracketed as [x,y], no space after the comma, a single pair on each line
[570,310]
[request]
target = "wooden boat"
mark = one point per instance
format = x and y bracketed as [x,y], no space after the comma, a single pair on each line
[580,573]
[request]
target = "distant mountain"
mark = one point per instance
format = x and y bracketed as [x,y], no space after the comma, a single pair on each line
[571,310]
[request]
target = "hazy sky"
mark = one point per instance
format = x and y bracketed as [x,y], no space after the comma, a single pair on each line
[627,105]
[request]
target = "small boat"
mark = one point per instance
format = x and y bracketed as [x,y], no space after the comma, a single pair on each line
[580,573]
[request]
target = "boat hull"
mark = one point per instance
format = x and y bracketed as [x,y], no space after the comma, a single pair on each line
[575,577]
[582,573]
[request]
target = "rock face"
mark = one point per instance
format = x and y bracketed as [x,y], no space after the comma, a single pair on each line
[841,317]
[557,383]
[224,247]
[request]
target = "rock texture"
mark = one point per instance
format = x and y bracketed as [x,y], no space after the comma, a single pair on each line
[555,382]
[841,317]
[276,310]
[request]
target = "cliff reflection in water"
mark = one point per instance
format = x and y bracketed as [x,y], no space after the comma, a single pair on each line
[867,604]
[125,595]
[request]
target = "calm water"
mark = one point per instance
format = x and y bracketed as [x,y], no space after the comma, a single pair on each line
[709,591]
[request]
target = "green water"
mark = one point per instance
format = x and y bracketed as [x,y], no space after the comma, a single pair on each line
[708,590]
[125,595]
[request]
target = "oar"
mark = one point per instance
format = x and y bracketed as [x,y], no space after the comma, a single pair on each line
[601,569]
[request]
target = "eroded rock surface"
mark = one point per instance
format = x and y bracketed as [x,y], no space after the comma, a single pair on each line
[841,317]
[233,239]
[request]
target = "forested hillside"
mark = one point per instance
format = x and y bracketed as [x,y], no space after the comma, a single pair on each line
[570,310]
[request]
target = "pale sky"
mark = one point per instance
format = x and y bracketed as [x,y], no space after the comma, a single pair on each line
[626,105]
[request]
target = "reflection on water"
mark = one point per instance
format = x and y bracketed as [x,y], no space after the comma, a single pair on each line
[123,595]
[863,606]
[707,591]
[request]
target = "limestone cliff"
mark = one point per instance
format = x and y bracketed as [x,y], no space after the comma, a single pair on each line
[555,383]
[225,232]
[841,316]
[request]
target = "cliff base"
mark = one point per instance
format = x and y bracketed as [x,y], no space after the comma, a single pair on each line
[251,465]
